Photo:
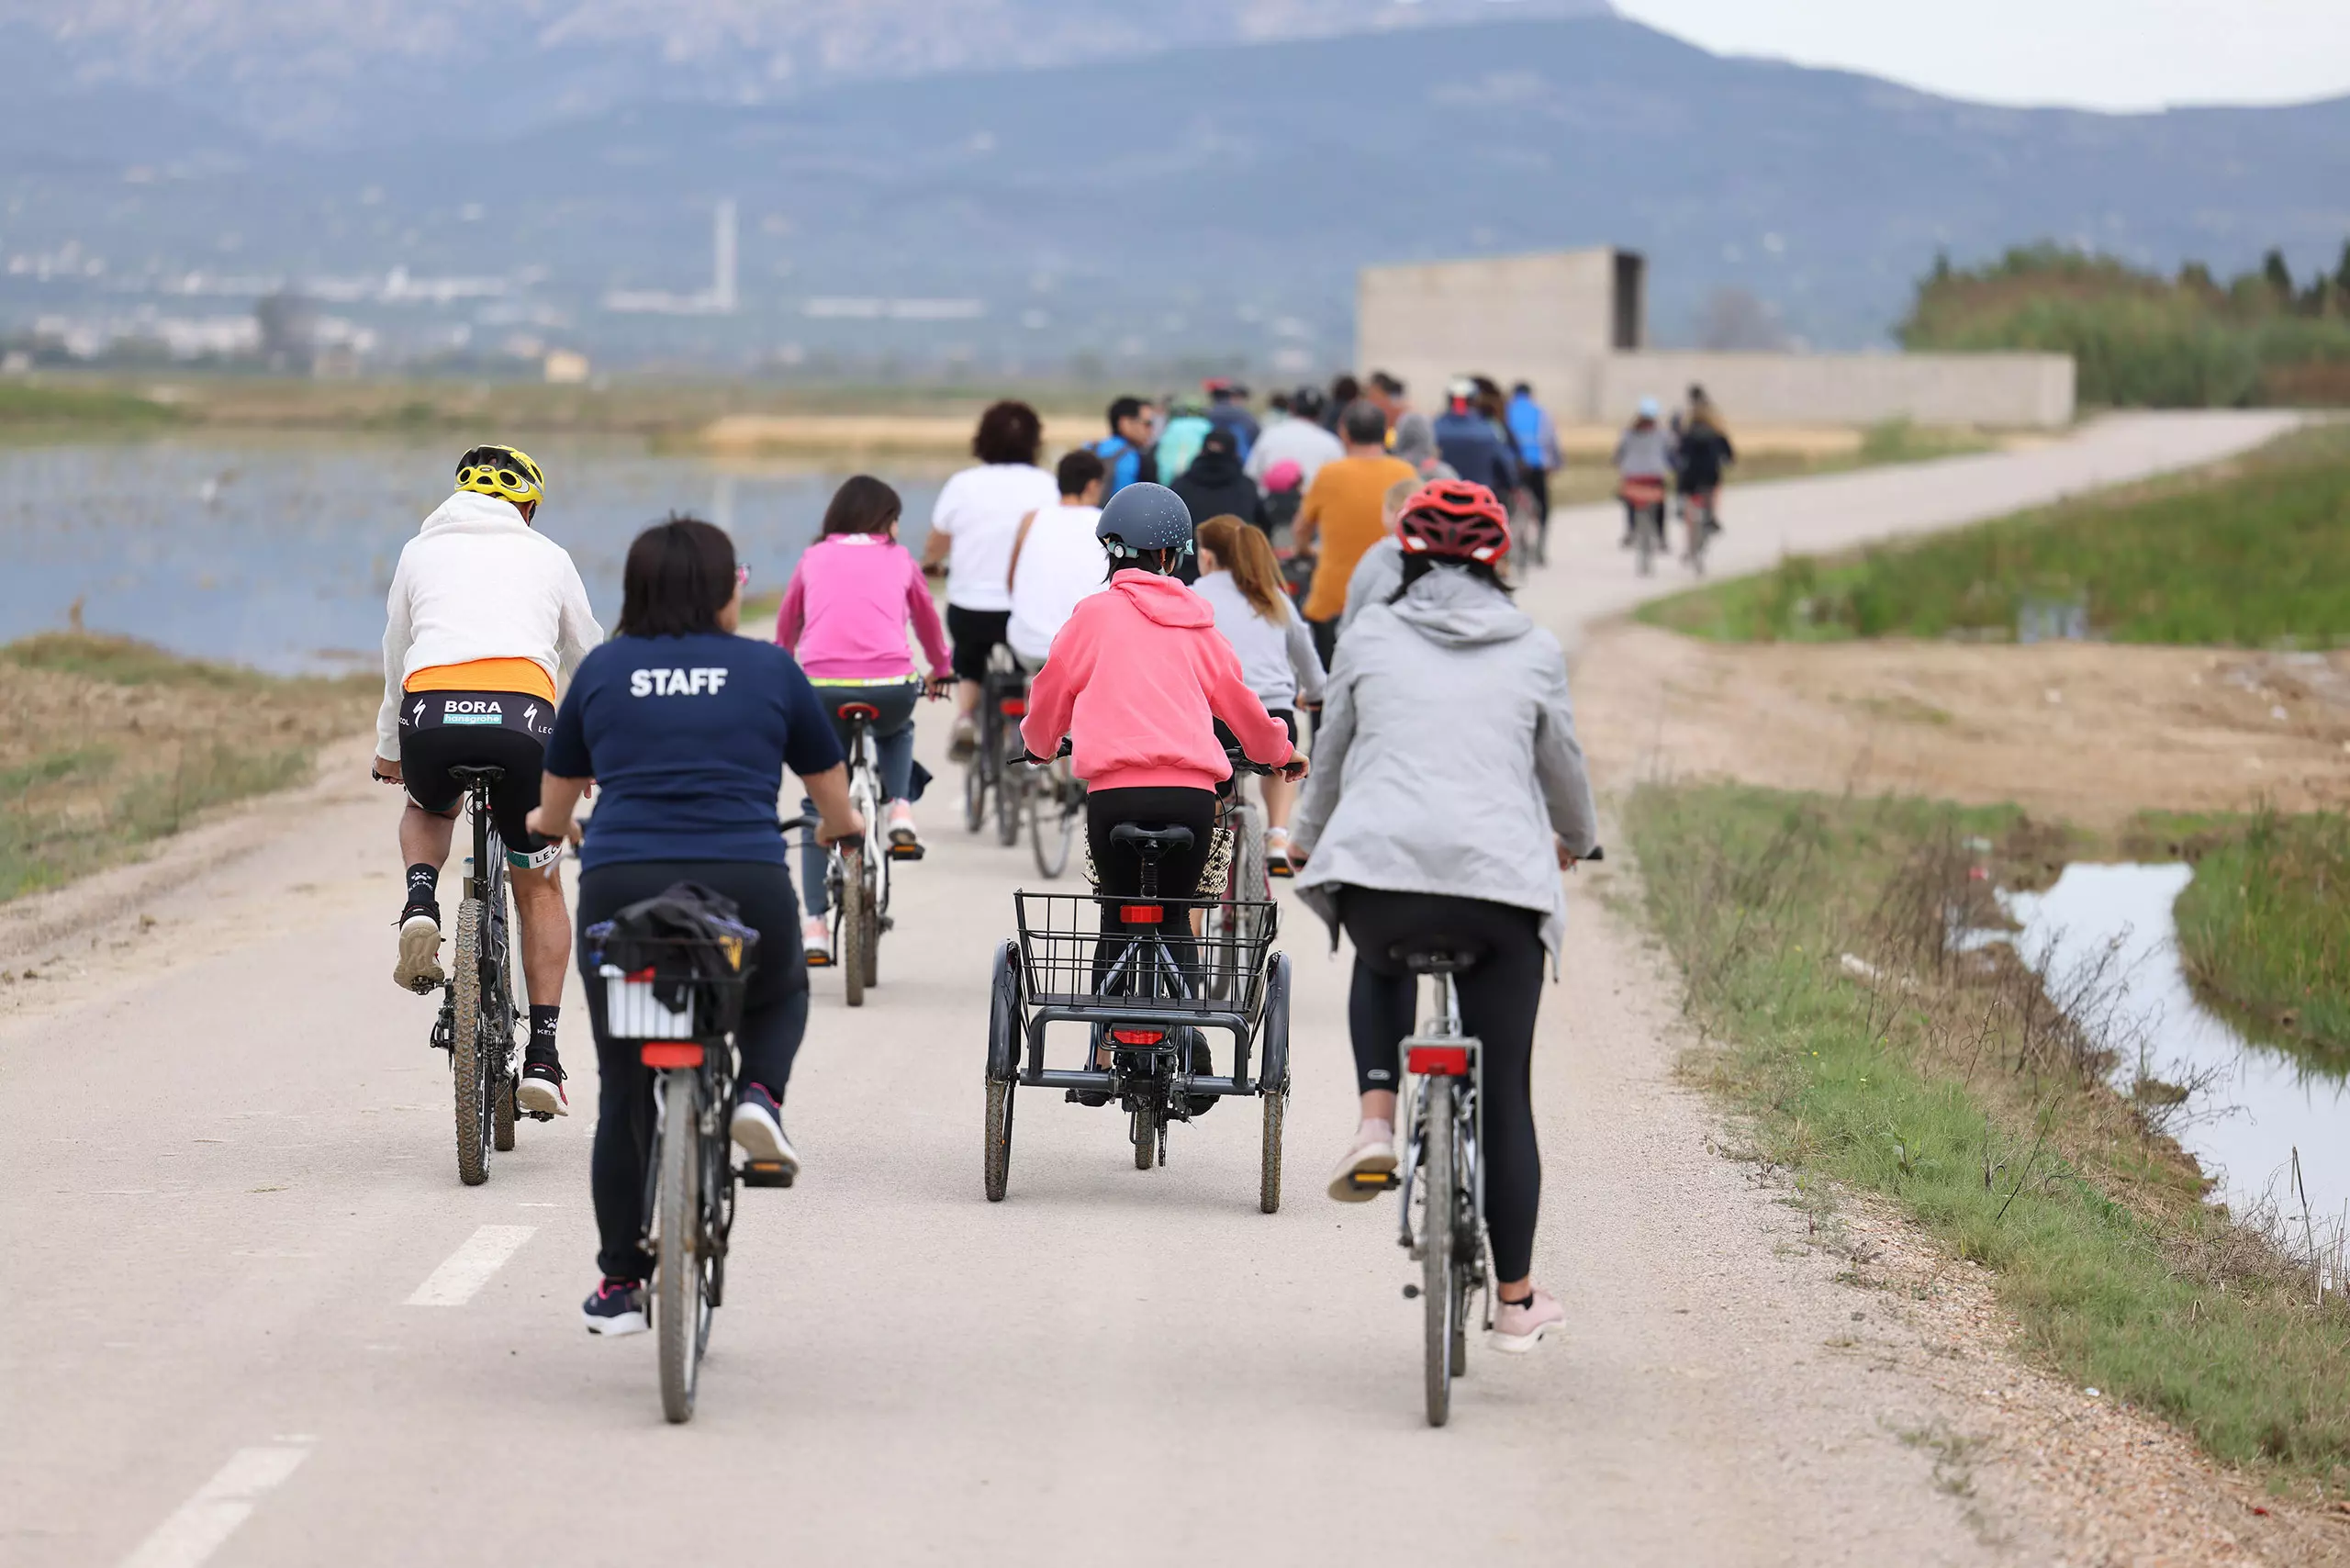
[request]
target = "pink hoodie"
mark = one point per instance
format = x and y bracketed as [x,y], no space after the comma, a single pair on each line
[1136,679]
[844,615]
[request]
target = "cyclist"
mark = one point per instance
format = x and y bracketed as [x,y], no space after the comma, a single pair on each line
[484,611]
[971,529]
[1215,483]
[1179,440]
[1644,452]
[1241,580]
[1471,443]
[1450,789]
[688,729]
[1297,438]
[1055,559]
[853,597]
[1340,517]
[1228,411]
[1125,452]
[1136,682]
[1380,571]
[1700,459]
[1535,438]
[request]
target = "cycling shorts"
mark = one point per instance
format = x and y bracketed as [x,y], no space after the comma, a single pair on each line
[441,729]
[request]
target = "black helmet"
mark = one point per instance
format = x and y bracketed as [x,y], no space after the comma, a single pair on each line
[1145,516]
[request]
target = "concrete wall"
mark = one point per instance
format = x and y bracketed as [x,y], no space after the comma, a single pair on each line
[2000,389]
[1505,317]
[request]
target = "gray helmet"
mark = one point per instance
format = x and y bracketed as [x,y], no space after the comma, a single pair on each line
[1145,517]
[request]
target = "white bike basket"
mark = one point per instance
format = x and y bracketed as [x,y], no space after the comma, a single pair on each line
[632,1011]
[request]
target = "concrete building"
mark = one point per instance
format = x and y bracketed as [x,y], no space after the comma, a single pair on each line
[1574,323]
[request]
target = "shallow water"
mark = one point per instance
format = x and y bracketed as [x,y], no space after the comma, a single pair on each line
[276,550]
[2260,1103]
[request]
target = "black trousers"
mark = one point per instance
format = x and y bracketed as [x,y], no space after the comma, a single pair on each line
[1120,868]
[1537,486]
[1498,1001]
[775,1017]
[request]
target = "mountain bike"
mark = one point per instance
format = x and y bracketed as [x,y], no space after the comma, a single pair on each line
[476,1025]
[682,999]
[1003,702]
[1645,496]
[857,871]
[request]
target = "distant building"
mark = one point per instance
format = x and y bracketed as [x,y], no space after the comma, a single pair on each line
[565,367]
[1574,323]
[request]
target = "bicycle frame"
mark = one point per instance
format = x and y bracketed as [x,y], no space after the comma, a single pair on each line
[865,794]
[1443,1032]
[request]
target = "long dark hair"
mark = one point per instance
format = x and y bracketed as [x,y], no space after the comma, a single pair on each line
[1009,432]
[679,575]
[862,505]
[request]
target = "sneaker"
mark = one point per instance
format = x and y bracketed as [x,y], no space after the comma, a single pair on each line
[617,1307]
[757,1129]
[1277,852]
[1519,1325]
[1202,1066]
[816,939]
[420,967]
[966,744]
[541,1091]
[1373,1154]
[902,832]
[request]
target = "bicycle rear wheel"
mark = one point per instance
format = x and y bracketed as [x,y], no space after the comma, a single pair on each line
[1438,1176]
[1644,541]
[678,1304]
[1014,784]
[468,1055]
[849,930]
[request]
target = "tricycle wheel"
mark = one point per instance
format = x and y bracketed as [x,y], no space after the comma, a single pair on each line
[999,1139]
[1269,1173]
[1144,1130]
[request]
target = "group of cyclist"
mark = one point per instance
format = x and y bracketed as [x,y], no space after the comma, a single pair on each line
[1689,453]
[1450,789]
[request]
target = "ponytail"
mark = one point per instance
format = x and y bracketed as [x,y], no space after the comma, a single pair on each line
[1248,556]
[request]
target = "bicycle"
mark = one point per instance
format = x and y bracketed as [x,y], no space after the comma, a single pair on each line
[683,1000]
[1697,517]
[476,1024]
[1003,694]
[1646,497]
[1531,524]
[1442,1173]
[1144,1010]
[1248,885]
[857,871]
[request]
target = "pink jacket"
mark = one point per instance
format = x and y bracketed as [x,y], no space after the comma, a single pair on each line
[1136,679]
[845,614]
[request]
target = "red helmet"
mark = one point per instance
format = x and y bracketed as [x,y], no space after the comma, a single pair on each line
[1452,520]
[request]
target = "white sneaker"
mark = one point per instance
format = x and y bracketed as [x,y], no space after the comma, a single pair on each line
[816,937]
[420,967]
[1519,1325]
[966,744]
[902,824]
[1373,1155]
[1277,862]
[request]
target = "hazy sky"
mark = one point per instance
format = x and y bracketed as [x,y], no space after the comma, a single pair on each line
[2104,54]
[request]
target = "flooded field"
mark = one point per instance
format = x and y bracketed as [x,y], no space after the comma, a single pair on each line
[276,552]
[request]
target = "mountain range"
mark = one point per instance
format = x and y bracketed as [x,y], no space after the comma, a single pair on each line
[1174,203]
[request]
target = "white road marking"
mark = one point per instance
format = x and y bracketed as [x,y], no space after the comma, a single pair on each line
[204,1521]
[466,1270]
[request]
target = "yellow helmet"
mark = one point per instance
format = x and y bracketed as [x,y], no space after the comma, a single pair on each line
[506,472]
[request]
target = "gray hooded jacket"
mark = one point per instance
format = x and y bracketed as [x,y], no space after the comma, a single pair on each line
[1446,757]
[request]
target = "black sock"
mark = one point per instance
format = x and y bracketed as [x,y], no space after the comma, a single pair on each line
[541,1045]
[423,886]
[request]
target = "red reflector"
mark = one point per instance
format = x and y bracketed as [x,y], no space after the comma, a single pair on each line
[1014,707]
[1138,1036]
[1142,913]
[1437,1061]
[641,977]
[671,1053]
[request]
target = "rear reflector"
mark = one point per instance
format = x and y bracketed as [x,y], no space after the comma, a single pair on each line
[1138,1036]
[1014,707]
[671,1053]
[1437,1061]
[1142,913]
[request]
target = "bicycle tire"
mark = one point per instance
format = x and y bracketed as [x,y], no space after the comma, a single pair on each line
[468,1061]
[502,1115]
[1052,820]
[677,1264]
[848,932]
[975,796]
[869,943]
[1438,1175]
[1268,1158]
[1644,543]
[999,1138]
[1011,800]
[503,1070]
[1143,1130]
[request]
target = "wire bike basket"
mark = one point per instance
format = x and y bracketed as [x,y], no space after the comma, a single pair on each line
[672,988]
[1100,949]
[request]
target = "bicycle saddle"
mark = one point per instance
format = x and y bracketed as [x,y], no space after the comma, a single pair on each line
[1437,955]
[476,773]
[854,710]
[1152,842]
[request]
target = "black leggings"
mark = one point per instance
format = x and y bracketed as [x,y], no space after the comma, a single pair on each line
[775,1016]
[1120,868]
[1499,999]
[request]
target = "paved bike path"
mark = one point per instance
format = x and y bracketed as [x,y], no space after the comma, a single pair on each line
[226,1171]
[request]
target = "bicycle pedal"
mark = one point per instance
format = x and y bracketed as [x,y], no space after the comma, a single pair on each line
[540,1116]
[765,1173]
[820,960]
[907,851]
[1373,1180]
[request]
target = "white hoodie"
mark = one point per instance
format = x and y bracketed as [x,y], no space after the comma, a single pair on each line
[477,582]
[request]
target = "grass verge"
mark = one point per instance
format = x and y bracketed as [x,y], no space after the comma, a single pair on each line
[2250,553]
[108,745]
[34,409]
[2264,927]
[1952,1083]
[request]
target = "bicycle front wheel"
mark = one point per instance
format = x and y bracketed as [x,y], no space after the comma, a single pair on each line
[1438,1176]
[468,1055]
[870,945]
[678,1304]
[1012,787]
[1053,808]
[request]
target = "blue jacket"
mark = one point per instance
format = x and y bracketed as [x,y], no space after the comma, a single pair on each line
[1237,419]
[1127,462]
[1532,431]
[1469,441]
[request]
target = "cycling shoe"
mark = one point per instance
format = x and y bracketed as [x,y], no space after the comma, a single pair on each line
[419,968]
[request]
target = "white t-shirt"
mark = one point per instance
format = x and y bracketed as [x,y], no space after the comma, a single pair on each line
[1060,563]
[980,509]
[1302,441]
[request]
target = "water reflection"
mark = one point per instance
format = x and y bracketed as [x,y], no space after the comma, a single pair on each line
[2259,1103]
[275,551]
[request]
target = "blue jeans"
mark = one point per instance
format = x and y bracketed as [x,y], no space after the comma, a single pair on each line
[894,746]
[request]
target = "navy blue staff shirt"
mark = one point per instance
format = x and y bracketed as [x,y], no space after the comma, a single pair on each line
[686,739]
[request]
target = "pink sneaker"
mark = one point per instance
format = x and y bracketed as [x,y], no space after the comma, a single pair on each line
[1373,1155]
[1519,1325]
